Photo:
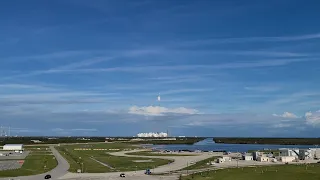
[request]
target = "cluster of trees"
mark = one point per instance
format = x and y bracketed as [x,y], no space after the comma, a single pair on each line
[188,140]
[57,140]
[47,140]
[280,141]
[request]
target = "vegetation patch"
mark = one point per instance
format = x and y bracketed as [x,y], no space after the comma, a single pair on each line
[206,163]
[279,172]
[33,164]
[279,141]
[84,159]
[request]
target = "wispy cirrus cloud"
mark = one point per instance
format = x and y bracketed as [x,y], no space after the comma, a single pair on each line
[252,39]
[53,55]
[72,67]
[286,115]
[80,129]
[263,88]
[145,69]
[177,91]
[160,111]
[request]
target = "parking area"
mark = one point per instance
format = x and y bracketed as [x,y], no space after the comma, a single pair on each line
[10,155]
[7,165]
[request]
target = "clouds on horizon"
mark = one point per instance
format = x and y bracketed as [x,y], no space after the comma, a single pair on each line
[94,68]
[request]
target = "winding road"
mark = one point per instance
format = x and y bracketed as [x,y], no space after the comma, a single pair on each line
[60,170]
[179,163]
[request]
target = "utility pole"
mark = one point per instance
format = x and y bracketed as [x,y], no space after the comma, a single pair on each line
[187,167]
[82,167]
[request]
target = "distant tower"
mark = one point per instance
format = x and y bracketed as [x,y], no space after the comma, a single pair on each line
[167,133]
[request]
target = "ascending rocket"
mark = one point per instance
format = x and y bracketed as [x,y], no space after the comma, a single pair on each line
[159,97]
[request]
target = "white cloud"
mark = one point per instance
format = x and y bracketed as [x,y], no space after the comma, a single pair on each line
[160,111]
[313,118]
[263,88]
[286,115]
[251,39]
[281,125]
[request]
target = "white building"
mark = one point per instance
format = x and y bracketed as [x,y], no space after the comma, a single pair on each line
[152,134]
[13,147]
[226,158]
[286,159]
[223,159]
[289,152]
[220,160]
[263,159]
[306,154]
[35,141]
[315,152]
[247,158]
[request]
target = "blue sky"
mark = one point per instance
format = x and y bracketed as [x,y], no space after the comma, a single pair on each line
[222,67]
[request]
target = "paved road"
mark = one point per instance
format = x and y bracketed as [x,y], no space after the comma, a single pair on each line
[57,172]
[179,163]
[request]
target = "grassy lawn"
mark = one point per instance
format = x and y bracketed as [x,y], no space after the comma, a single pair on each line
[34,164]
[151,153]
[281,172]
[201,164]
[118,163]
[128,164]
[120,146]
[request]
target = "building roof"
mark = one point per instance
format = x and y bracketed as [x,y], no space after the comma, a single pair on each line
[13,145]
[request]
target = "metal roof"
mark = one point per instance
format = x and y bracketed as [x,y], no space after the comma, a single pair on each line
[13,145]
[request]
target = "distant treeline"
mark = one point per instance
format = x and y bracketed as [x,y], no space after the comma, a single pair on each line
[60,140]
[46,140]
[189,140]
[280,141]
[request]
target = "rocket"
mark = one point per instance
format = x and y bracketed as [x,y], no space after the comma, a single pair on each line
[159,97]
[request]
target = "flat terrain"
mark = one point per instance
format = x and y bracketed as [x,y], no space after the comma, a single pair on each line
[179,163]
[155,141]
[152,153]
[201,164]
[279,141]
[281,172]
[13,155]
[8,165]
[38,161]
[34,164]
[56,173]
[99,160]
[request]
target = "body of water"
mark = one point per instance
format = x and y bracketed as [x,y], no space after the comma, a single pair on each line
[210,145]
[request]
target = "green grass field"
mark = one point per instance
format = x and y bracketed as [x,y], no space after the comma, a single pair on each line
[201,164]
[34,164]
[82,159]
[150,153]
[280,172]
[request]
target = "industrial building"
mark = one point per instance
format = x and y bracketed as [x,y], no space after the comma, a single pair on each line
[263,159]
[286,159]
[300,154]
[247,158]
[223,159]
[13,147]
[152,134]
[289,152]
